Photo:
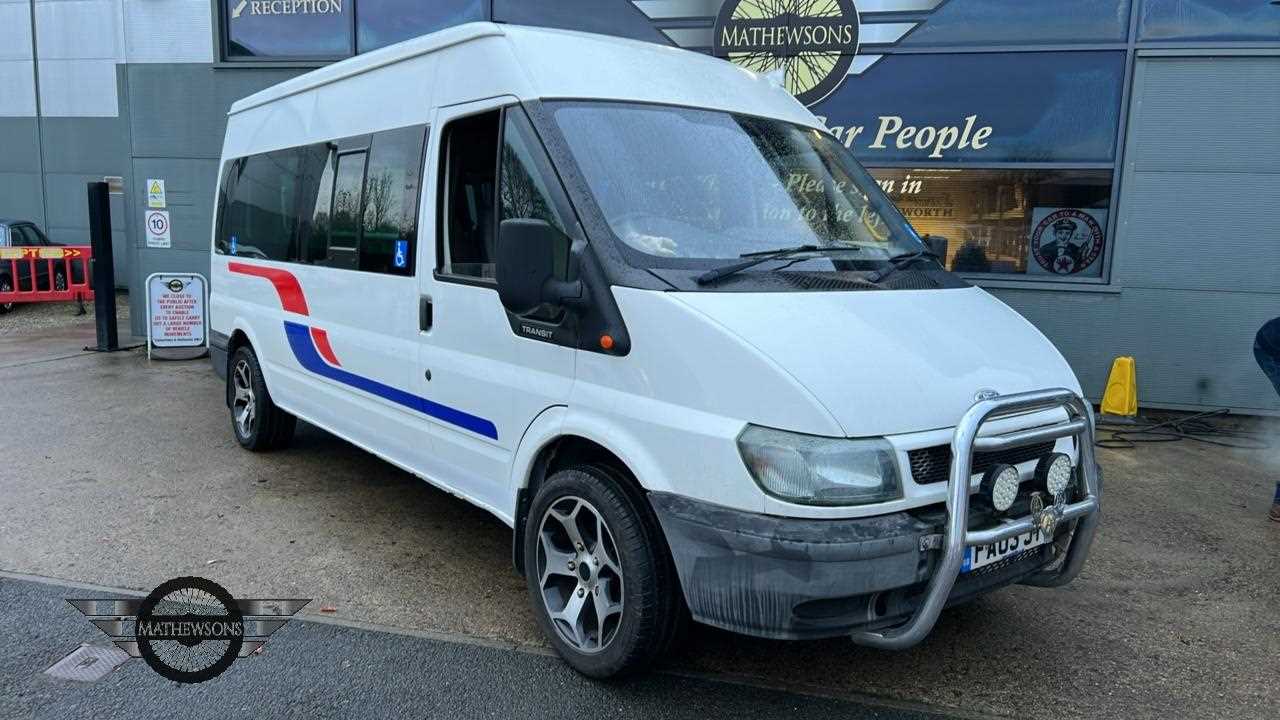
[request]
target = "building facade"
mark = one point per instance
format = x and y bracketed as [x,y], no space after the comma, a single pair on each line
[1109,168]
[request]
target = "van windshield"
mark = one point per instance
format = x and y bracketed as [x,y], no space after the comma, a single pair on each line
[679,184]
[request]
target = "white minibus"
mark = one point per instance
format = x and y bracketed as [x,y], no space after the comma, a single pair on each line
[640,305]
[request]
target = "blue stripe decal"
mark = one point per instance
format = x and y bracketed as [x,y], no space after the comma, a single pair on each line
[305,352]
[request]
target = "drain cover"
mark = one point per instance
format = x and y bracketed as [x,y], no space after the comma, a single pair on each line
[88,663]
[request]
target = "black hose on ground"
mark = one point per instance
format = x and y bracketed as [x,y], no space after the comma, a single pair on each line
[1128,433]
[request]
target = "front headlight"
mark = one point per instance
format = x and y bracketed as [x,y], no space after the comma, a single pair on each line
[812,470]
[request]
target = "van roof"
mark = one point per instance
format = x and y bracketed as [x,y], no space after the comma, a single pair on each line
[553,63]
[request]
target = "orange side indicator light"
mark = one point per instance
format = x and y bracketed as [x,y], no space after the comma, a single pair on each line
[606,342]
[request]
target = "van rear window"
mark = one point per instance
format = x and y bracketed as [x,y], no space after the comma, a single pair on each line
[348,204]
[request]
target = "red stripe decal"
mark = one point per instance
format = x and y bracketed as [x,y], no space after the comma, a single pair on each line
[287,287]
[321,339]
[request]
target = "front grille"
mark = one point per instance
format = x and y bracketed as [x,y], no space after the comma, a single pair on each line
[933,465]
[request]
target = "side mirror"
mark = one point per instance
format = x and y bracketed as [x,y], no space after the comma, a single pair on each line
[938,246]
[526,266]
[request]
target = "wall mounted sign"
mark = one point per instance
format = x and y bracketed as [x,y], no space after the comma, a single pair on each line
[287,29]
[1066,241]
[155,193]
[815,43]
[157,225]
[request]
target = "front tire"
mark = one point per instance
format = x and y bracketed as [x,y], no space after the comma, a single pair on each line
[256,421]
[599,575]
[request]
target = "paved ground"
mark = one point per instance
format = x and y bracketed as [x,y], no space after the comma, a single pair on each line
[27,317]
[126,474]
[322,670]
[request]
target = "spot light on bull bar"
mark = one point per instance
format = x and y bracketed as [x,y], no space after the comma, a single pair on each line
[1054,474]
[1000,483]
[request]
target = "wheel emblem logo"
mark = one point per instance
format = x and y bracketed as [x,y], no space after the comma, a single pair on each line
[813,42]
[189,629]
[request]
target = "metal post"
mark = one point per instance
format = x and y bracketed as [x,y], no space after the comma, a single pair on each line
[104,270]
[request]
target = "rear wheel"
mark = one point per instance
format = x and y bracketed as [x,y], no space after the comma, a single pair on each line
[599,575]
[258,424]
[6,285]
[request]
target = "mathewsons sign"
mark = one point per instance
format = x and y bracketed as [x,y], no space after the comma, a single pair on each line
[812,42]
[813,46]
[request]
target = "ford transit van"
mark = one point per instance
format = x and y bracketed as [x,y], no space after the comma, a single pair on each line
[641,306]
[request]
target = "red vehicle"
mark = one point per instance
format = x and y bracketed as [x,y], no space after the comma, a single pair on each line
[23,233]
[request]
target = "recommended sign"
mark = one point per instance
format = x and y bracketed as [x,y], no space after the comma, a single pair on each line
[157,224]
[155,193]
[176,311]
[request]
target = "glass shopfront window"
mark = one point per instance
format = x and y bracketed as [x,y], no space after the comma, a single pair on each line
[319,30]
[1209,20]
[287,29]
[1020,22]
[383,22]
[1025,224]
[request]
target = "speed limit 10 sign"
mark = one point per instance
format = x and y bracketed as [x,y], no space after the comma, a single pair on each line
[156,223]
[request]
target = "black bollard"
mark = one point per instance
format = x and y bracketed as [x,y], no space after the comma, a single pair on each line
[104,269]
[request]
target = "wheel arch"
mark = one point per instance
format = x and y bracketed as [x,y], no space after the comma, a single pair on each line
[559,450]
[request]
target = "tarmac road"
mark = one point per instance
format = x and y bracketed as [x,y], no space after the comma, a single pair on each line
[125,474]
[325,670]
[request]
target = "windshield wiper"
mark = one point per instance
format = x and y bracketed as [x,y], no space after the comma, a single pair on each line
[898,262]
[756,258]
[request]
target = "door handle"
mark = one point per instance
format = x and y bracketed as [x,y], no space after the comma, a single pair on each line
[425,313]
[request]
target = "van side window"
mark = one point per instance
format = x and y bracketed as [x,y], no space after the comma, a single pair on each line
[261,219]
[471,160]
[344,223]
[315,243]
[390,223]
[350,203]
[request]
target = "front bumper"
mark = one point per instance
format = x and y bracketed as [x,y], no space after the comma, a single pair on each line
[882,579]
[787,578]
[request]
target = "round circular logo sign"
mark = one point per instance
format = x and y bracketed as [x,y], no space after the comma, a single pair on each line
[813,42]
[175,285]
[189,629]
[1067,242]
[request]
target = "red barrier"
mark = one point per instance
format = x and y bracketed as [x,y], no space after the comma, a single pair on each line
[46,274]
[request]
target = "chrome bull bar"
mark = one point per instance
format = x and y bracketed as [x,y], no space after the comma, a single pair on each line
[957,537]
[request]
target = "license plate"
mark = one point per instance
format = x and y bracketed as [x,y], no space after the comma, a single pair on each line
[982,555]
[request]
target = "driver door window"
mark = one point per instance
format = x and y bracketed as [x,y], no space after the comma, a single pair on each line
[495,170]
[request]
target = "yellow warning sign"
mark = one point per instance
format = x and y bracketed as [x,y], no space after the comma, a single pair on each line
[155,193]
[1121,397]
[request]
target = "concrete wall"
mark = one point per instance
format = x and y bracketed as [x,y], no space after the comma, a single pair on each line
[179,115]
[1195,266]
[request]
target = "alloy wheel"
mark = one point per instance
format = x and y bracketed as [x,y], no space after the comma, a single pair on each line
[580,574]
[243,405]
